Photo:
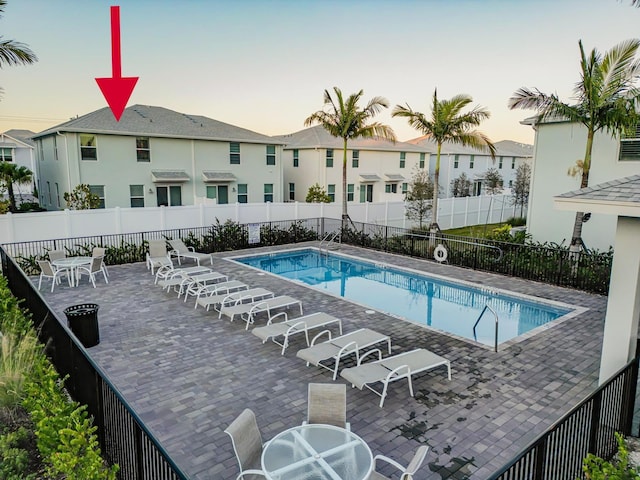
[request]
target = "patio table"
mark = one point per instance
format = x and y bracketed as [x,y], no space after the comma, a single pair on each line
[71,264]
[317,452]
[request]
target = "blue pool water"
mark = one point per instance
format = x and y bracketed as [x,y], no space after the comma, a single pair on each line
[442,304]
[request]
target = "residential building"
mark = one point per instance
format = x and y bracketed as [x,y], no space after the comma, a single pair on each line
[18,147]
[377,170]
[155,156]
[558,144]
[474,163]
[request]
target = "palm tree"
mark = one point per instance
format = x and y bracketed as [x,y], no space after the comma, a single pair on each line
[12,52]
[345,120]
[606,99]
[448,124]
[11,173]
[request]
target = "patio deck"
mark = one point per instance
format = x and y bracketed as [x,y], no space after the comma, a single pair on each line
[188,374]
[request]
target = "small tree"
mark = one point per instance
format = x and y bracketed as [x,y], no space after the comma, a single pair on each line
[419,196]
[493,182]
[461,186]
[521,186]
[81,198]
[317,194]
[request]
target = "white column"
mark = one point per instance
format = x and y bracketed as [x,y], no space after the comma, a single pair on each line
[453,211]
[117,219]
[295,211]
[163,217]
[11,228]
[623,303]
[67,223]
[201,212]
[466,211]
[386,212]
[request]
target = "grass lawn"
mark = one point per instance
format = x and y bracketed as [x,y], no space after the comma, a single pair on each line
[475,231]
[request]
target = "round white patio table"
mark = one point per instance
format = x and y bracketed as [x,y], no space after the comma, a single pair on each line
[317,452]
[71,264]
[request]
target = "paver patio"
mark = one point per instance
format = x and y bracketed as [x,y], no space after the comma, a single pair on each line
[188,374]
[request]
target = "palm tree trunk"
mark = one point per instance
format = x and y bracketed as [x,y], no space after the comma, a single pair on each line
[576,238]
[436,187]
[345,215]
[12,195]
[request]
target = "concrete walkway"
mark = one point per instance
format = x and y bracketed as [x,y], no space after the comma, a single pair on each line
[189,374]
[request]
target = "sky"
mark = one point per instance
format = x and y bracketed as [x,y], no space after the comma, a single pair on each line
[264,64]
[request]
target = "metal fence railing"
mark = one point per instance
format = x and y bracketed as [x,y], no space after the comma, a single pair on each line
[123,438]
[590,427]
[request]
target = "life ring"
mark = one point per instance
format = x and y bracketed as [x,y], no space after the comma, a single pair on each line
[440,253]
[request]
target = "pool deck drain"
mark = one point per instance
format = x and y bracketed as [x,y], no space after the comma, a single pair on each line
[188,374]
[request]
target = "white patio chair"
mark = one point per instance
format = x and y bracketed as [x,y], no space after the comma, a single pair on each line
[247,445]
[157,256]
[408,472]
[56,255]
[94,267]
[180,251]
[47,271]
[327,404]
[100,252]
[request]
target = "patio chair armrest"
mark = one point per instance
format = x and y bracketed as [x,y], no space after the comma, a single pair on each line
[283,314]
[389,461]
[370,352]
[191,249]
[323,332]
[250,472]
[346,349]
[396,371]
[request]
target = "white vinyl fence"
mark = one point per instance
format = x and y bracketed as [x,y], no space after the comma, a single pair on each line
[22,227]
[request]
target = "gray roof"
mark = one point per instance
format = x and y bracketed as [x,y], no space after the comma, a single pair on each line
[394,177]
[211,176]
[617,197]
[620,190]
[23,136]
[169,176]
[504,148]
[369,177]
[318,137]
[148,121]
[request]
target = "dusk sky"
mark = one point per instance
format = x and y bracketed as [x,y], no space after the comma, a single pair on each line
[263,64]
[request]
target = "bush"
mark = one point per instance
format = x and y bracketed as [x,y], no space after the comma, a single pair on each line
[595,468]
[17,356]
[516,221]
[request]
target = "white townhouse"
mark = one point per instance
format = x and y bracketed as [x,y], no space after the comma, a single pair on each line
[17,146]
[474,163]
[558,144]
[377,170]
[154,157]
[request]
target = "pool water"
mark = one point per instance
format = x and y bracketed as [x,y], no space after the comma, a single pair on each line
[435,302]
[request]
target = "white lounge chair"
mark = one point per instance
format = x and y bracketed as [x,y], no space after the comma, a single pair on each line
[391,369]
[287,328]
[198,289]
[241,295]
[166,272]
[180,251]
[248,311]
[201,279]
[157,255]
[335,349]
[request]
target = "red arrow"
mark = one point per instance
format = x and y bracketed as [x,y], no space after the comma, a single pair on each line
[117,89]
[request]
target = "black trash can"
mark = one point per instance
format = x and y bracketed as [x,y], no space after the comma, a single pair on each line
[83,321]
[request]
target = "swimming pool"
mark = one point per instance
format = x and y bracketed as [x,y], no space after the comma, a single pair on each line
[436,302]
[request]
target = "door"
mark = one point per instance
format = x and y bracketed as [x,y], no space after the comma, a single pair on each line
[169,196]
[370,192]
[223,194]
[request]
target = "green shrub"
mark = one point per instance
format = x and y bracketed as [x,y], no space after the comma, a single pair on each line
[516,221]
[14,458]
[595,468]
[17,356]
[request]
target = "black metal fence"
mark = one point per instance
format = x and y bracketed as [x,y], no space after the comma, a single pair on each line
[123,437]
[590,427]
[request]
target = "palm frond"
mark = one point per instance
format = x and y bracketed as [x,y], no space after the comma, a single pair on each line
[15,53]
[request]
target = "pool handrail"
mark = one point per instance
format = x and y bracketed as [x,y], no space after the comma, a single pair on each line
[497,321]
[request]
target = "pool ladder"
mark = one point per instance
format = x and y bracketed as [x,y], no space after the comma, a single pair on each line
[328,240]
[495,315]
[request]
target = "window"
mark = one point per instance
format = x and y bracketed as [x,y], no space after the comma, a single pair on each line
[500,162]
[271,154]
[234,153]
[136,195]
[630,147]
[55,147]
[405,188]
[513,163]
[296,158]
[49,192]
[169,196]
[58,194]
[99,191]
[87,148]
[143,153]
[6,154]
[331,191]
[403,158]
[510,183]
[268,192]
[391,188]
[218,192]
[329,158]
[292,192]
[422,160]
[242,193]
[355,158]
[471,159]
[456,161]
[350,192]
